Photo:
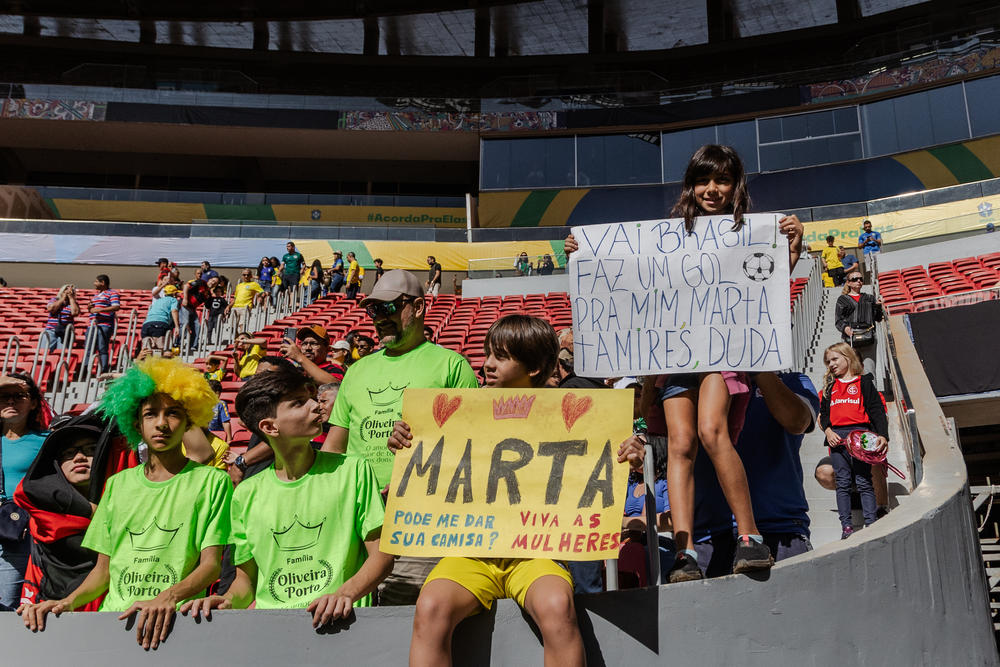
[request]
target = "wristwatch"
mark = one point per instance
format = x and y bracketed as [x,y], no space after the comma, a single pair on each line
[240,463]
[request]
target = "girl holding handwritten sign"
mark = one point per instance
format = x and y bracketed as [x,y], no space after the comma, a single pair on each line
[697,405]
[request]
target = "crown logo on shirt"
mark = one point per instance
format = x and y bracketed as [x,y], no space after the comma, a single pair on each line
[152,537]
[388,396]
[516,407]
[298,536]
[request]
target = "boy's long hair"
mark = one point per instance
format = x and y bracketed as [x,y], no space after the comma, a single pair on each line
[259,397]
[529,340]
[707,160]
[157,375]
[854,365]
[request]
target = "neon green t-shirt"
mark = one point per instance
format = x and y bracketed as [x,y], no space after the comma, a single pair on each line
[306,536]
[154,532]
[370,399]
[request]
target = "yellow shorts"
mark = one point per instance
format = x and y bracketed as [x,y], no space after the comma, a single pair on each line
[492,579]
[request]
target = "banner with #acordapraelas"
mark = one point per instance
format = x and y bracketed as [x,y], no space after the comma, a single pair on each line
[650,298]
[510,473]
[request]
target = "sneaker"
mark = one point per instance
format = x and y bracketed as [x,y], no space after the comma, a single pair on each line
[684,569]
[751,556]
[847,532]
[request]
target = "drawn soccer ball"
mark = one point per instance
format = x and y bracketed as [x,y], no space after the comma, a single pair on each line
[758,266]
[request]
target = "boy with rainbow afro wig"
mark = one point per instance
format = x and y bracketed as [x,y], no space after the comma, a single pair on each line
[160,528]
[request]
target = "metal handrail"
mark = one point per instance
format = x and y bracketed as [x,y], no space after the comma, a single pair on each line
[16,340]
[804,315]
[652,536]
[89,347]
[57,390]
[125,351]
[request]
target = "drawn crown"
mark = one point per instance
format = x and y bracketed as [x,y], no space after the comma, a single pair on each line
[152,537]
[516,407]
[297,536]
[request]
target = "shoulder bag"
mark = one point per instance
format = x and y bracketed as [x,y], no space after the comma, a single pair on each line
[13,518]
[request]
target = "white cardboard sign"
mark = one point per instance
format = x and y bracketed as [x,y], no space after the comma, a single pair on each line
[648,298]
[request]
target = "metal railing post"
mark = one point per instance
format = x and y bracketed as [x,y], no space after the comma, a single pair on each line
[652,536]
[16,341]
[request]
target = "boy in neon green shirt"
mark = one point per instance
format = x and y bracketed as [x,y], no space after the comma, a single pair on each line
[306,530]
[160,528]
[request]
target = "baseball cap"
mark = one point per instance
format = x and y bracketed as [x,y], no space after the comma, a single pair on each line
[314,330]
[392,285]
[170,290]
[341,345]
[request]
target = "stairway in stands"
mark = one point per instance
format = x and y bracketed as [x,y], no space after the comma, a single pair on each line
[825,525]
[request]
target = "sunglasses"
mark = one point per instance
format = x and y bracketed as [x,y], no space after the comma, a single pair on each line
[854,280]
[386,309]
[71,452]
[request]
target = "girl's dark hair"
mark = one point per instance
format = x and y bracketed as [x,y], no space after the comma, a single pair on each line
[707,160]
[34,422]
[275,263]
[529,340]
[318,265]
[659,445]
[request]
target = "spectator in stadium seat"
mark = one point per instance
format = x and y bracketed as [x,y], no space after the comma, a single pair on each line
[326,395]
[309,351]
[363,346]
[337,272]
[246,295]
[370,399]
[162,315]
[169,505]
[870,241]
[63,309]
[293,264]
[215,309]
[265,275]
[522,265]
[56,492]
[103,308]
[831,262]
[315,280]
[851,402]
[23,424]
[520,353]
[338,513]
[379,271]
[220,415]
[207,272]
[857,312]
[545,265]
[849,260]
[433,284]
[341,358]
[783,407]
[194,293]
[247,354]
[353,277]
[167,269]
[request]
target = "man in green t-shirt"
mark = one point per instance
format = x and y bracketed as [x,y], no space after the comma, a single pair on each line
[370,399]
[160,528]
[292,265]
[306,530]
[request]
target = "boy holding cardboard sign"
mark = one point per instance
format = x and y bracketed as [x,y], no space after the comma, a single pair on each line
[305,531]
[521,353]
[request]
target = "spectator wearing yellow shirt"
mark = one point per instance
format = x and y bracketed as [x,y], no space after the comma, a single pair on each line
[353,277]
[245,295]
[247,353]
[831,262]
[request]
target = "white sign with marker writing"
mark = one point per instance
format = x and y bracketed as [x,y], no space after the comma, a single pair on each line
[649,298]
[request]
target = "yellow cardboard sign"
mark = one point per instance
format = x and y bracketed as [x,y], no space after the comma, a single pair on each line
[510,473]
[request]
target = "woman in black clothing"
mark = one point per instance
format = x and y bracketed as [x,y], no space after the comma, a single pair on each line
[856,315]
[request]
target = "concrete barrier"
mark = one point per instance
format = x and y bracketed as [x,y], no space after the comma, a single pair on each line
[910,590]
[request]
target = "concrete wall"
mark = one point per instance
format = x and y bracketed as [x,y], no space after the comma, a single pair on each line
[910,590]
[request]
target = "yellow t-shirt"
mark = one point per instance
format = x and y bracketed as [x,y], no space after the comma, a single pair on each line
[218,374]
[244,293]
[830,257]
[247,365]
[354,272]
[220,447]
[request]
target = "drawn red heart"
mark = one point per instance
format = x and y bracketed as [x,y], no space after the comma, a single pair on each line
[443,408]
[574,408]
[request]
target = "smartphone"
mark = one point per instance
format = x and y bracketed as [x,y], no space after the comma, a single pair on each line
[290,332]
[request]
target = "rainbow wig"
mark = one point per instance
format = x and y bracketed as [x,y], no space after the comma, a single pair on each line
[157,375]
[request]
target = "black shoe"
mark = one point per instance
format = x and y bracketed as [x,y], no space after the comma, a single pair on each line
[881,511]
[751,556]
[685,569]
